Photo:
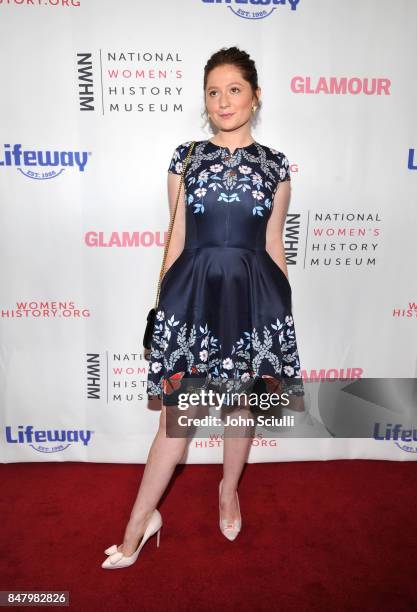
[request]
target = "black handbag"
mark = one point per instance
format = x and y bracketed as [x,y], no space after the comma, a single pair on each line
[150,320]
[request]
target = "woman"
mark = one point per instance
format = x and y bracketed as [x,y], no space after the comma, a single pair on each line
[224,311]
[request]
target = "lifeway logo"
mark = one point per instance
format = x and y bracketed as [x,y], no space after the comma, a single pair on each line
[47,440]
[45,164]
[400,435]
[250,9]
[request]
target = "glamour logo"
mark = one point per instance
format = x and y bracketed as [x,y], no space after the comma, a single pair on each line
[341,86]
[332,374]
[25,160]
[399,435]
[47,440]
[125,239]
[253,9]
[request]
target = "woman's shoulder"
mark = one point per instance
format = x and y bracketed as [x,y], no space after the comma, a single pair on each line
[280,161]
[178,156]
[181,150]
[273,151]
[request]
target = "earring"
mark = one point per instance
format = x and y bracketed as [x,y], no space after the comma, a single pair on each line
[254,109]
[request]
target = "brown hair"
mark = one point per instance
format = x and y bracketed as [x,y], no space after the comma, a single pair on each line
[238,58]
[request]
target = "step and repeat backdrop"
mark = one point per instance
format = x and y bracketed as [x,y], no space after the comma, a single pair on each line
[96,95]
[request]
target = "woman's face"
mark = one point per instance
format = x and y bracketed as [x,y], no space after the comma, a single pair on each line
[229,98]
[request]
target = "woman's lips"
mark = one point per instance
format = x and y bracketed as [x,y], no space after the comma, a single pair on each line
[227,115]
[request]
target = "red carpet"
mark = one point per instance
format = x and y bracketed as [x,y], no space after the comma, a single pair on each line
[335,535]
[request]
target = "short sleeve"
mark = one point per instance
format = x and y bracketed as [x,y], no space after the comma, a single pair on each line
[178,158]
[284,169]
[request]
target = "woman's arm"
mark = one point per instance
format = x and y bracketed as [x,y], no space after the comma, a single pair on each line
[275,227]
[176,244]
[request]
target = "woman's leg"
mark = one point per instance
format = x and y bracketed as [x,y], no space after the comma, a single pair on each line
[164,454]
[235,453]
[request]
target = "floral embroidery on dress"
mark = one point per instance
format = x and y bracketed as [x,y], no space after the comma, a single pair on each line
[274,343]
[231,175]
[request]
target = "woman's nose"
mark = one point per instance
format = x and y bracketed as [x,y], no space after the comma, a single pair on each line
[224,100]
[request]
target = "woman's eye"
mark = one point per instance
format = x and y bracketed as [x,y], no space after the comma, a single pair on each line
[233,89]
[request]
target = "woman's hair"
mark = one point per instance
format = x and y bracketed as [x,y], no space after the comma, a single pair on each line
[235,57]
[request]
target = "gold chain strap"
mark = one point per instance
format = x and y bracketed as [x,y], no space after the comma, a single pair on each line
[172,223]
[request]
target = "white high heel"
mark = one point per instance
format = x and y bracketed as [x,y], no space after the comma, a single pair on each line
[116,559]
[230,529]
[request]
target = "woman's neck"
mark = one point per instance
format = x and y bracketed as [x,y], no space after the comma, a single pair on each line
[232,141]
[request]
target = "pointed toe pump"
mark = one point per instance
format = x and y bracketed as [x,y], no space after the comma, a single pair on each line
[230,529]
[116,559]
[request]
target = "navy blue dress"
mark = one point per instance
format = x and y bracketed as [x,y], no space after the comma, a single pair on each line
[224,314]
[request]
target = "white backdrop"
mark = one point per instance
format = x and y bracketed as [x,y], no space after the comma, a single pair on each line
[95,97]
